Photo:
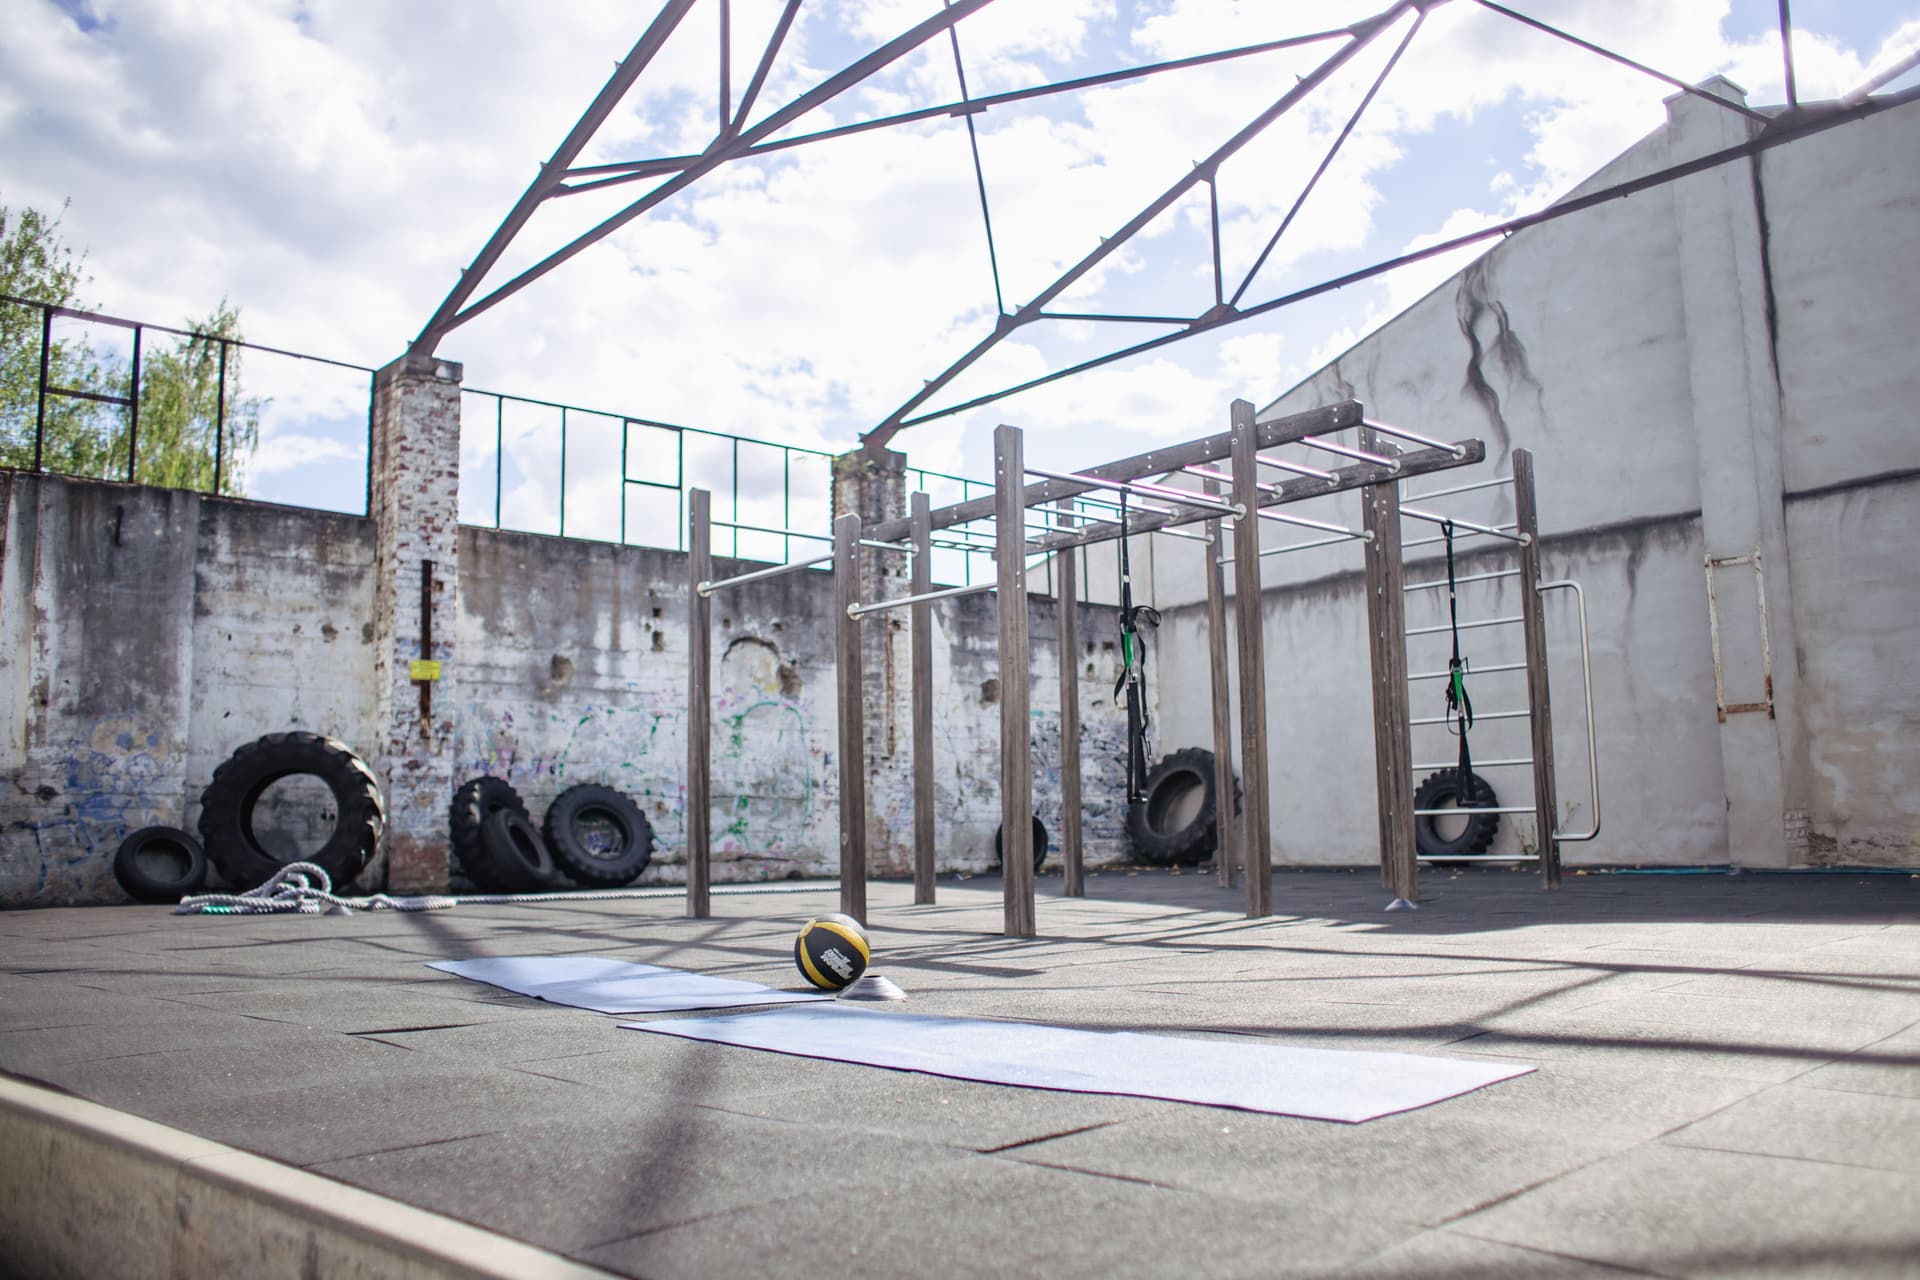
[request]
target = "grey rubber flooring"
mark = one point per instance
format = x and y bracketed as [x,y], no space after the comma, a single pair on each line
[1728,1083]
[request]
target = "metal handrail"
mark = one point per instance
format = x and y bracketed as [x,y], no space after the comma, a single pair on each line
[1586,674]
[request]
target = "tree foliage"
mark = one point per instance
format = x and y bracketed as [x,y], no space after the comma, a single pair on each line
[182,421]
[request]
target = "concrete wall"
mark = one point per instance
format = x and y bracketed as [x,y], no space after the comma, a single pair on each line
[147,633]
[1719,366]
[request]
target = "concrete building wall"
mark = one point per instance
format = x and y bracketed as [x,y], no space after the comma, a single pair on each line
[1720,366]
[147,633]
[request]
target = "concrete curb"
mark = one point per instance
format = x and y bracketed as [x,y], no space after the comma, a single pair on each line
[93,1193]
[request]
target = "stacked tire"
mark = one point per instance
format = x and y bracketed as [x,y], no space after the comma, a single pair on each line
[595,835]
[1456,839]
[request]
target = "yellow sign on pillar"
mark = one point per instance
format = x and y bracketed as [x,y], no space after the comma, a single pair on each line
[424,669]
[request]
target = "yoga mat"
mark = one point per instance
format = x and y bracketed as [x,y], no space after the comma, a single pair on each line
[1316,1084]
[615,986]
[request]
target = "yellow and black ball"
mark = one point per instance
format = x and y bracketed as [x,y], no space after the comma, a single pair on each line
[831,951]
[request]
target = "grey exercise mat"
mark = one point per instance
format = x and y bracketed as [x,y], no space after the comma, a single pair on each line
[615,986]
[1316,1084]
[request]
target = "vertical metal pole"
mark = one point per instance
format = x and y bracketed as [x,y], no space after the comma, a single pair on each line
[1226,818]
[626,431]
[786,502]
[220,420]
[851,717]
[563,471]
[133,410]
[1786,53]
[1016,733]
[1387,649]
[699,707]
[920,516]
[499,453]
[1546,803]
[736,501]
[373,394]
[40,415]
[1256,847]
[1068,603]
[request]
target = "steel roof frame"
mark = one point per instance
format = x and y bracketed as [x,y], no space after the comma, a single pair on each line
[735,140]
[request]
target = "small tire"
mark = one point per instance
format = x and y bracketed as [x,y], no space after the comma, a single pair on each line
[600,859]
[474,802]
[1441,790]
[513,854]
[227,806]
[1039,844]
[160,864]
[1173,823]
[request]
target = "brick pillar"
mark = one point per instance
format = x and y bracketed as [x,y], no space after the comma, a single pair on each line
[415,509]
[873,483]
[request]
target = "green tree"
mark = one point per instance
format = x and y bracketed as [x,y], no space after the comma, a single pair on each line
[180,379]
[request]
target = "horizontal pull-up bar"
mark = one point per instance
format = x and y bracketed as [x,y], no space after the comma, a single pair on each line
[1437,583]
[708,588]
[1432,517]
[1297,468]
[1414,437]
[1498,482]
[1514,763]
[1472,671]
[1478,716]
[1475,625]
[881,606]
[1497,531]
[1361,455]
[1327,526]
[1164,492]
[796,533]
[1208,473]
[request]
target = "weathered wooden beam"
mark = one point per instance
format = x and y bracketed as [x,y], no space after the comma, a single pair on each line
[921,665]
[1068,604]
[1546,802]
[1226,818]
[850,718]
[1016,740]
[1256,848]
[1387,651]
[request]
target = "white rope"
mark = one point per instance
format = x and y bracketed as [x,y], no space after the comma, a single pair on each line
[305,889]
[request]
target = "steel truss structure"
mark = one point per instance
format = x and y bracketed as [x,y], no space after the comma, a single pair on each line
[735,138]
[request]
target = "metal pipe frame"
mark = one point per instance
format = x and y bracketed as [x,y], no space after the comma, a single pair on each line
[1498,482]
[1334,446]
[1434,517]
[1438,583]
[1326,526]
[1497,531]
[1466,626]
[857,610]
[779,570]
[1297,468]
[733,141]
[1412,437]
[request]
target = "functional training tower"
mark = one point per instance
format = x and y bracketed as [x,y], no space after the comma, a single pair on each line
[1375,466]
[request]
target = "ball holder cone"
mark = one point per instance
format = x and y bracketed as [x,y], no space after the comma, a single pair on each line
[872,986]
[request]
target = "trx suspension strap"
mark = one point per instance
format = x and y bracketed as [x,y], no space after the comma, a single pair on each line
[1133,668]
[1459,706]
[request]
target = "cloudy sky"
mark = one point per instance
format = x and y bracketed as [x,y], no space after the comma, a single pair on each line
[331,165]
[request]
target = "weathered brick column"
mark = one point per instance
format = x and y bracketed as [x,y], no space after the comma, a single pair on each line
[415,509]
[873,483]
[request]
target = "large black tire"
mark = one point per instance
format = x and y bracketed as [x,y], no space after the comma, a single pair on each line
[1039,844]
[512,854]
[1173,823]
[477,800]
[226,808]
[160,864]
[598,836]
[1442,790]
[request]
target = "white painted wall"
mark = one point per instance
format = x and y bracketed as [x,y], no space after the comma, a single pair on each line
[1579,340]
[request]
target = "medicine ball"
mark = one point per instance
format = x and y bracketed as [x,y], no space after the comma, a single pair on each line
[831,951]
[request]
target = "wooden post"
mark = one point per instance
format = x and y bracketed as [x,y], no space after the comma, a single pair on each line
[851,719]
[1016,740]
[921,663]
[1226,819]
[1256,847]
[1387,649]
[1546,803]
[1068,603]
[699,705]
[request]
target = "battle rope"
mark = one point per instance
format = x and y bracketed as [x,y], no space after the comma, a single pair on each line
[1133,668]
[301,888]
[1459,706]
